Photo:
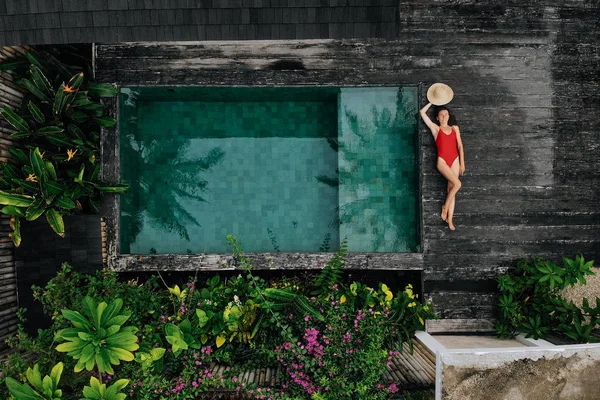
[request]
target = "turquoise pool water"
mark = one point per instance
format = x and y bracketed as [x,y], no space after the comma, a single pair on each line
[283,169]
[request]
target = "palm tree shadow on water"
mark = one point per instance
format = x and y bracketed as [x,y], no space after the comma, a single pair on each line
[162,177]
[362,134]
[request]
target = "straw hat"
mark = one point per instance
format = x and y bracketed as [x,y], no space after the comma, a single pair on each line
[439,94]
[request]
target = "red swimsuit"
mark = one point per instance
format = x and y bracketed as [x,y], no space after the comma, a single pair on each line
[447,146]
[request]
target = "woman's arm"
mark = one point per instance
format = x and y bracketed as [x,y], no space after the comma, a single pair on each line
[432,127]
[461,151]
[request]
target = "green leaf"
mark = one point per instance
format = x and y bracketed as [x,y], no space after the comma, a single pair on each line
[36,209]
[35,59]
[56,373]
[81,99]
[20,135]
[11,65]
[118,188]
[18,200]
[65,202]
[27,84]
[56,222]
[55,188]
[106,122]
[12,118]
[51,129]
[78,116]
[22,392]
[19,155]
[60,141]
[15,224]
[79,177]
[101,89]
[59,100]
[36,113]
[37,164]
[14,211]
[40,81]
[50,170]
[34,377]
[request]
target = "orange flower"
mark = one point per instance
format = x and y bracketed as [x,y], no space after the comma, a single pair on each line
[69,89]
[70,154]
[31,178]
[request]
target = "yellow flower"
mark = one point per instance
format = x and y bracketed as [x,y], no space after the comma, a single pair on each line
[409,292]
[70,154]
[375,314]
[412,304]
[31,178]
[342,299]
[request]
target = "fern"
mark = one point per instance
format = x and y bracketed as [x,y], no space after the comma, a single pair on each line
[332,273]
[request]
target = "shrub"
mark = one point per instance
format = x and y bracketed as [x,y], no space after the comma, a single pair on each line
[531,301]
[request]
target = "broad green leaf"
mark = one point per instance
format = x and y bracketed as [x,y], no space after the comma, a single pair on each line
[20,135]
[36,113]
[79,178]
[18,200]
[34,376]
[19,154]
[60,141]
[81,99]
[157,353]
[15,120]
[40,81]
[106,122]
[27,84]
[51,172]
[118,188]
[55,188]
[56,373]
[15,224]
[75,81]
[78,116]
[51,130]
[59,99]
[22,392]
[77,319]
[101,89]
[65,202]
[35,210]
[37,163]
[14,211]
[220,341]
[56,222]
[35,59]
[11,65]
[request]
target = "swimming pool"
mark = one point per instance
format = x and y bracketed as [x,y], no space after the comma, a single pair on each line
[283,169]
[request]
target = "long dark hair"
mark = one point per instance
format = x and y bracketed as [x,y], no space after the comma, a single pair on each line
[451,119]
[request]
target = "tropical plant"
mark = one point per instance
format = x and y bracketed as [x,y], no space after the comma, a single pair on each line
[43,388]
[97,338]
[531,300]
[99,391]
[53,169]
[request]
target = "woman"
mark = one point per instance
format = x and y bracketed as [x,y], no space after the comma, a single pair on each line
[451,156]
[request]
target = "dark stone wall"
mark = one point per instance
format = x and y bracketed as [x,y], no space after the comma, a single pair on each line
[526,91]
[42,254]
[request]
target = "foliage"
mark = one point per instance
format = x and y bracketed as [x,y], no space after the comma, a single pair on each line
[43,389]
[99,391]
[335,343]
[53,171]
[97,338]
[531,301]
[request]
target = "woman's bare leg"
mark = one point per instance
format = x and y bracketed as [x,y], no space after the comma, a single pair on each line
[455,168]
[447,172]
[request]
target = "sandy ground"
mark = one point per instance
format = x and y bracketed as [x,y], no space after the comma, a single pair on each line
[590,291]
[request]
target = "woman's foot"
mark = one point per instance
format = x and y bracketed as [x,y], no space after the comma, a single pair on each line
[451,225]
[444,212]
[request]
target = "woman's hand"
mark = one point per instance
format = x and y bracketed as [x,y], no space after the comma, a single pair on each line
[462,169]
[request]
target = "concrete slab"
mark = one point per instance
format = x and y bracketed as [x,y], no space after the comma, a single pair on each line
[475,342]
